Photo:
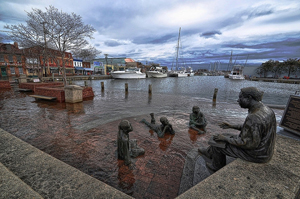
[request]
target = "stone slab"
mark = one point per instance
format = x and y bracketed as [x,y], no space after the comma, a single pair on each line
[13,187]
[48,176]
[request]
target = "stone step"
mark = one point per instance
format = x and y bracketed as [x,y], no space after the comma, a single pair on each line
[48,176]
[43,97]
[13,187]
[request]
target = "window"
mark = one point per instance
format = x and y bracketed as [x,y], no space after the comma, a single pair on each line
[19,58]
[10,58]
[12,70]
[1,58]
[20,71]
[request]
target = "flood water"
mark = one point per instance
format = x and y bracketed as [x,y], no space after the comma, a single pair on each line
[84,134]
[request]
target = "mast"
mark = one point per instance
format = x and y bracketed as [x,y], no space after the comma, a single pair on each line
[230,61]
[177,50]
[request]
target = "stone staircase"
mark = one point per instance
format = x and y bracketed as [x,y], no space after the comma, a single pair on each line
[27,172]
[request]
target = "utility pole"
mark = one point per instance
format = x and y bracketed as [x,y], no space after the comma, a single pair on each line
[106,63]
[45,48]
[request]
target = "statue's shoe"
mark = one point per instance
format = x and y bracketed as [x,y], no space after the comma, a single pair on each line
[203,151]
[211,167]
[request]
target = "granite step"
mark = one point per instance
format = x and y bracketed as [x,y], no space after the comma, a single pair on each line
[13,187]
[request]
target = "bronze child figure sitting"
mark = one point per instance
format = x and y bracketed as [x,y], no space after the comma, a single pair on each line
[197,120]
[159,129]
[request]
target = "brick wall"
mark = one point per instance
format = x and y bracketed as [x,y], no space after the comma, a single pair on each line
[87,92]
[33,86]
[57,92]
[4,84]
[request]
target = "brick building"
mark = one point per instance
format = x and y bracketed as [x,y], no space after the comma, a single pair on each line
[12,60]
[36,63]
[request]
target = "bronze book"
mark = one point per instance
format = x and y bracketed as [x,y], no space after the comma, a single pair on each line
[220,144]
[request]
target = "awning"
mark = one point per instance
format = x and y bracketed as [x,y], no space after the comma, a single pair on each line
[79,68]
[88,69]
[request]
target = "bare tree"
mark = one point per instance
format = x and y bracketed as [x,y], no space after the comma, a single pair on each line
[86,54]
[52,29]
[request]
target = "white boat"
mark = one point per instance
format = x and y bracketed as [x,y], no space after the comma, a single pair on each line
[237,73]
[190,72]
[157,72]
[129,73]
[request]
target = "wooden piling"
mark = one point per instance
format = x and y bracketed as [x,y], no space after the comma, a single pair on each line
[85,83]
[150,89]
[215,96]
[126,87]
[102,86]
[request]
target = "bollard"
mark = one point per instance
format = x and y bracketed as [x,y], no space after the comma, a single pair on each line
[85,83]
[102,86]
[215,96]
[150,89]
[126,87]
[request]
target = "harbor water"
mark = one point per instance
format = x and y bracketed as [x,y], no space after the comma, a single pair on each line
[84,134]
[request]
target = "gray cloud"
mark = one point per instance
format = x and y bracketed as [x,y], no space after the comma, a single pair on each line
[210,34]
[112,43]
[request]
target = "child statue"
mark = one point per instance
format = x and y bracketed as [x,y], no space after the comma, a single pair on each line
[127,148]
[197,120]
[159,129]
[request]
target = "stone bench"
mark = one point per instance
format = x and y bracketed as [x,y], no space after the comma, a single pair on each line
[279,178]
[43,97]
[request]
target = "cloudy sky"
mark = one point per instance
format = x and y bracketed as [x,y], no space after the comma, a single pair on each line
[147,30]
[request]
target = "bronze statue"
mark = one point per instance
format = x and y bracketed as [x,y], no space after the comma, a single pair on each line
[159,129]
[256,140]
[126,147]
[197,120]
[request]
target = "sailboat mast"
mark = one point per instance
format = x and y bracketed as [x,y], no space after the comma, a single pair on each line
[177,49]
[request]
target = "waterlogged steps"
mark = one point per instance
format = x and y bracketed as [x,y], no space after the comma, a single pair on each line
[13,187]
[36,174]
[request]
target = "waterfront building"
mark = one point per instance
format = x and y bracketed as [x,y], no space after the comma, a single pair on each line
[47,62]
[106,65]
[12,60]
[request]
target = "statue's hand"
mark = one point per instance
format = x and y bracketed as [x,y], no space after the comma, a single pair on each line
[220,137]
[225,125]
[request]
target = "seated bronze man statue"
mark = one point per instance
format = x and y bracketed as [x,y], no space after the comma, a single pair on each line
[197,121]
[159,129]
[256,140]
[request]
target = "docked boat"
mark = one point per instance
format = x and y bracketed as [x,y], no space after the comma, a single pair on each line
[129,73]
[236,73]
[190,72]
[157,72]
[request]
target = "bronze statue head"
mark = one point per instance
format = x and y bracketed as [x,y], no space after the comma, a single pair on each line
[125,126]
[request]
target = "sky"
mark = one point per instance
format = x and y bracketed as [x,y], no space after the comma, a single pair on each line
[147,30]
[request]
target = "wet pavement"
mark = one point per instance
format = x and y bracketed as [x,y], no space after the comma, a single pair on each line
[80,136]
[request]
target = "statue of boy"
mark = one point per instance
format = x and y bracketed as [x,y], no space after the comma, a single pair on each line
[256,140]
[127,148]
[159,129]
[197,120]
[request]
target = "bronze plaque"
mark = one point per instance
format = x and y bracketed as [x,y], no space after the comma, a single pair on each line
[291,116]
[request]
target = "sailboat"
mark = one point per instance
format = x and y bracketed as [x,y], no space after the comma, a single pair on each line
[180,71]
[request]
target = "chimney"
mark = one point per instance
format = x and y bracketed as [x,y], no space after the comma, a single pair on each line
[16,44]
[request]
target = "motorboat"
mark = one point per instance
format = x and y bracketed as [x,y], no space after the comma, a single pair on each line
[157,72]
[129,73]
[190,72]
[236,73]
